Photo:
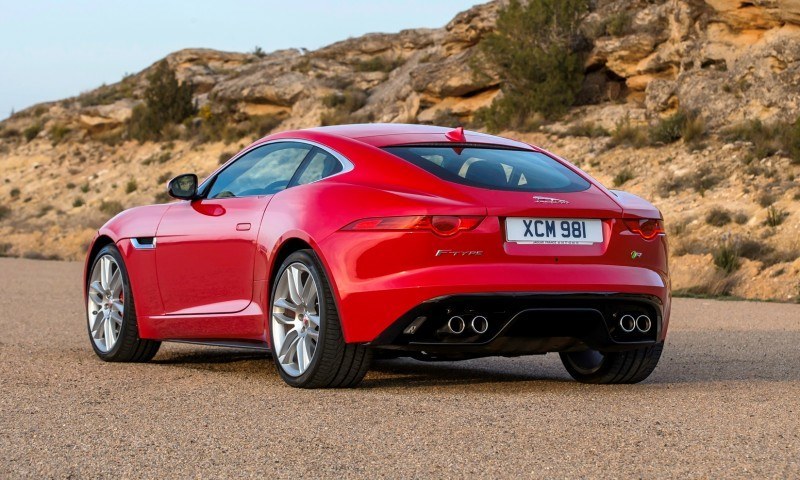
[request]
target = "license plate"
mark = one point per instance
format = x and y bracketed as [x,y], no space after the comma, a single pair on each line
[554,231]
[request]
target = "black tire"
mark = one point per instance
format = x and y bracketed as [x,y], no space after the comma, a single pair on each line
[129,346]
[631,366]
[335,364]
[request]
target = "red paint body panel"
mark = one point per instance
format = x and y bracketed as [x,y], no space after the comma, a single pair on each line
[209,277]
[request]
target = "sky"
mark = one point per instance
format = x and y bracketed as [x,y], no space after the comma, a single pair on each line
[55,49]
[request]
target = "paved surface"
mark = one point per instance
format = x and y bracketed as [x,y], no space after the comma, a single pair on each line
[724,402]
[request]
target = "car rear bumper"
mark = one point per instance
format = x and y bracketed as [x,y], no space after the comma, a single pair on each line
[370,308]
[524,324]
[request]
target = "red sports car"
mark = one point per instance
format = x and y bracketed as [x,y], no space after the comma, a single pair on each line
[331,245]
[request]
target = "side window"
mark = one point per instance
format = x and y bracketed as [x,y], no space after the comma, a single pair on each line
[321,165]
[262,171]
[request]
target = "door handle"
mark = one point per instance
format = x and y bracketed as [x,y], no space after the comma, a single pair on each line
[242,227]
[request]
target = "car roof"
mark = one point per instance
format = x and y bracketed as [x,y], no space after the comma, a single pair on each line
[387,134]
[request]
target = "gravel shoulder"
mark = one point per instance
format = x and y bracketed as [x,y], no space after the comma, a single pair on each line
[724,402]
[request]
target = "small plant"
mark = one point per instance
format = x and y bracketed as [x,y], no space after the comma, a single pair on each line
[627,134]
[225,156]
[78,202]
[44,210]
[718,217]
[164,177]
[158,158]
[258,52]
[5,249]
[131,186]
[766,199]
[70,185]
[377,63]
[703,179]
[85,187]
[32,132]
[740,218]
[618,24]
[162,197]
[111,207]
[58,132]
[623,176]
[587,129]
[14,192]
[4,212]
[775,216]
[726,255]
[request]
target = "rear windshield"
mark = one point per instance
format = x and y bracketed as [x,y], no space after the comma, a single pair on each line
[494,168]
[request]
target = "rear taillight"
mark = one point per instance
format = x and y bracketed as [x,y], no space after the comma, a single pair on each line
[648,228]
[444,225]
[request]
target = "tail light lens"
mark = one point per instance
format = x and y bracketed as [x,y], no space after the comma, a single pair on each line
[648,228]
[443,225]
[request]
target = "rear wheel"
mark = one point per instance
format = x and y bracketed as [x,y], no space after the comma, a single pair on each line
[632,366]
[113,330]
[305,332]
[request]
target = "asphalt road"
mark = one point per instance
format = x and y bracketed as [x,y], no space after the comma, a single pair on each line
[724,402]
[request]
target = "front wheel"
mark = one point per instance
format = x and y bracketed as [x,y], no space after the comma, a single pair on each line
[631,366]
[111,317]
[305,332]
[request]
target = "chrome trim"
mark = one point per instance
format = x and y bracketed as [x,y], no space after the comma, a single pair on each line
[143,246]
[347,165]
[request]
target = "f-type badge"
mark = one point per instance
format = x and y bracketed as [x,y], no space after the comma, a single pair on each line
[459,253]
[550,200]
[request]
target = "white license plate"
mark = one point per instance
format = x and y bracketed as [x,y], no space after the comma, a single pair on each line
[554,231]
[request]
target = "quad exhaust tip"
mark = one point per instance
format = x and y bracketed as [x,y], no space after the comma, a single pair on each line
[456,325]
[479,324]
[643,323]
[627,323]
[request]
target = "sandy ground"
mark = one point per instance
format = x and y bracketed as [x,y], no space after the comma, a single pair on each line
[724,402]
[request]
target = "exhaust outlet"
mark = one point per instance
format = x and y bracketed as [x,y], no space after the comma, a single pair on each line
[627,323]
[479,324]
[456,325]
[643,323]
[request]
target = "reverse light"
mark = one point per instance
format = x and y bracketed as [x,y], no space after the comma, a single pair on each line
[443,225]
[648,228]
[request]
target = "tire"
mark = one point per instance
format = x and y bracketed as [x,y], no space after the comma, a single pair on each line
[630,366]
[127,345]
[316,325]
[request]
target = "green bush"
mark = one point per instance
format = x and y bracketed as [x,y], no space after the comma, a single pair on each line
[587,129]
[718,217]
[342,106]
[131,186]
[78,202]
[164,177]
[726,255]
[682,125]
[533,48]
[58,132]
[111,207]
[775,216]
[14,192]
[619,24]
[377,63]
[628,135]
[32,131]
[768,139]
[623,176]
[85,187]
[166,103]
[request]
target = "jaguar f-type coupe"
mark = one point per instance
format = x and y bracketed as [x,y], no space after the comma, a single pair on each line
[332,245]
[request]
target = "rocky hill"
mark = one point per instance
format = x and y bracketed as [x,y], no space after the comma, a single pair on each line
[685,102]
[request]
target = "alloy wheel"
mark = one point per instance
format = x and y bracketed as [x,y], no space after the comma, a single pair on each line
[295,319]
[106,303]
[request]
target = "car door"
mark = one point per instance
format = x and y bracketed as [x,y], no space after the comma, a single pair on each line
[206,248]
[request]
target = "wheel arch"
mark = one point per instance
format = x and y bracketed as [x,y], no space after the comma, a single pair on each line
[291,245]
[98,244]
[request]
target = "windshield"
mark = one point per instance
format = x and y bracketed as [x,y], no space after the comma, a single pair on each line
[494,168]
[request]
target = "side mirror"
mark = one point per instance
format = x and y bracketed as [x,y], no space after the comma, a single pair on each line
[183,187]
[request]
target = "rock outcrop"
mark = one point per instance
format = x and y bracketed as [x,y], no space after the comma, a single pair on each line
[65,166]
